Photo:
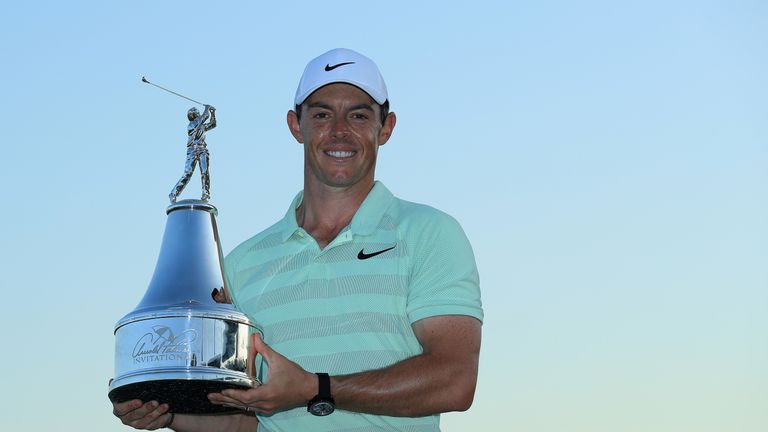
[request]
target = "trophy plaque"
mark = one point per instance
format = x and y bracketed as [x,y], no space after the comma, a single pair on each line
[185,339]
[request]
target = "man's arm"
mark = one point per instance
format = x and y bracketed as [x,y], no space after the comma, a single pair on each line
[152,415]
[212,123]
[440,379]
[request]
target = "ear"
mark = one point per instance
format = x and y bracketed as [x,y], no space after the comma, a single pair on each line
[387,128]
[294,127]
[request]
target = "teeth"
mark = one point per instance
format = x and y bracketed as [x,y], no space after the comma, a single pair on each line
[340,154]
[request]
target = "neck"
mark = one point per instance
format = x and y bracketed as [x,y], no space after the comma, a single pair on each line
[325,211]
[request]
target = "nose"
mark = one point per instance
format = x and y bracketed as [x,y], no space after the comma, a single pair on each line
[340,127]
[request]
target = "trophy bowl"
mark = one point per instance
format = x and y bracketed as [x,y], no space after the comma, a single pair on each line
[184,339]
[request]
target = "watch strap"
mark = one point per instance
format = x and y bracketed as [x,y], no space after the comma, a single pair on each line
[324,385]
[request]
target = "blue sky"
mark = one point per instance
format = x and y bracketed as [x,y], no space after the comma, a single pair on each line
[606,159]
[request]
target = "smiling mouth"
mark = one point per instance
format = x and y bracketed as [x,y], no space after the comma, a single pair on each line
[338,154]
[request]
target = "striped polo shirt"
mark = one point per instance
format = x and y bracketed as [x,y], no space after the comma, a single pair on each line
[349,307]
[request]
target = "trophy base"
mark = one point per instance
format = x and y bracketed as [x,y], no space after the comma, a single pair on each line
[182,396]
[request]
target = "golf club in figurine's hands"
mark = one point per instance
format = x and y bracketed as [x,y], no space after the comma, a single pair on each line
[185,339]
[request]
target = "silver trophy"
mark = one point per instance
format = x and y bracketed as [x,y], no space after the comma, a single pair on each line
[185,339]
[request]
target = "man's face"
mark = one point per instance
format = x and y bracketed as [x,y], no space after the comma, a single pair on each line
[341,131]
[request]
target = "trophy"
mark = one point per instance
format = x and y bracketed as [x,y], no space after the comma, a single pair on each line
[185,339]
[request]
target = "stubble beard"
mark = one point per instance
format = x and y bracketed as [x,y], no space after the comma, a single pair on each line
[336,181]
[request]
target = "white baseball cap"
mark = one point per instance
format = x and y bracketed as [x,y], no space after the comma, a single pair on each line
[342,65]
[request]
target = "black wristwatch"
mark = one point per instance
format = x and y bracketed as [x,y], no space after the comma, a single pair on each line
[322,404]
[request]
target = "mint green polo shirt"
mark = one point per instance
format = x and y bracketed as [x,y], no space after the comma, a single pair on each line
[349,307]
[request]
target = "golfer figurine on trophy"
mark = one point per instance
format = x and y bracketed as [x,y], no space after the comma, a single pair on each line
[197,150]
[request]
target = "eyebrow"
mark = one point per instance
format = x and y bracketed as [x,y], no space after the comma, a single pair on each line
[322,105]
[319,105]
[364,106]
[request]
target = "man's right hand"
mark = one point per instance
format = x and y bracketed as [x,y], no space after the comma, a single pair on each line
[139,415]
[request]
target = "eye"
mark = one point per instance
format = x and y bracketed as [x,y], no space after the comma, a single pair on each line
[320,115]
[360,116]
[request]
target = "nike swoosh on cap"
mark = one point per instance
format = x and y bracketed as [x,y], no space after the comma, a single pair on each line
[329,68]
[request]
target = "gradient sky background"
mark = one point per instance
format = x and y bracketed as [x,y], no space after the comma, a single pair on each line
[608,160]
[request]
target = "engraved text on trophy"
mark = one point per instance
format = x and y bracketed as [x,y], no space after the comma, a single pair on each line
[162,345]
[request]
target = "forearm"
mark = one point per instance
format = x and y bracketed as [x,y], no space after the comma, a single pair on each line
[205,423]
[419,386]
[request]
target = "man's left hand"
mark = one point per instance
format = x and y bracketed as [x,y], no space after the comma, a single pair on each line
[288,385]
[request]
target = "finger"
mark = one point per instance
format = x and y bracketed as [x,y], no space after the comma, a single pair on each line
[240,407]
[122,408]
[250,367]
[161,422]
[261,347]
[234,398]
[222,400]
[155,419]
[244,400]
[131,417]
[151,417]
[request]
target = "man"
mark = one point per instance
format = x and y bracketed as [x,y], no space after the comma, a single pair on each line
[369,305]
[197,150]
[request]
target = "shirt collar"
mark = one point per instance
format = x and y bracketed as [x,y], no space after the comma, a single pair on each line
[364,222]
[289,223]
[372,210]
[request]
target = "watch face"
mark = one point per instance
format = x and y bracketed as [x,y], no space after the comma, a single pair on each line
[321,408]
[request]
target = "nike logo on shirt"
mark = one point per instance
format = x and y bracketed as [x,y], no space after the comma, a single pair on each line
[363,256]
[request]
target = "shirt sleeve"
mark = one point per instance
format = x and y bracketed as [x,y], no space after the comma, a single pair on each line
[229,267]
[444,278]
